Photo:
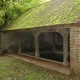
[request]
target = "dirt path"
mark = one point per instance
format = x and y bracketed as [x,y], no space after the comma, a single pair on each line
[48,64]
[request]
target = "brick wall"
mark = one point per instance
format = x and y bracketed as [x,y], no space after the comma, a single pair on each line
[75,49]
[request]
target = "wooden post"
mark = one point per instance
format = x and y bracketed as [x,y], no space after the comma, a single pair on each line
[36,45]
[18,36]
[19,46]
[65,33]
[36,34]
[65,50]
[1,44]
[54,42]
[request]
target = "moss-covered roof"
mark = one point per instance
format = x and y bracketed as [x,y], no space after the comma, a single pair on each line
[50,13]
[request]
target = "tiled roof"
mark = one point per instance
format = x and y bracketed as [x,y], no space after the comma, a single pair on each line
[47,14]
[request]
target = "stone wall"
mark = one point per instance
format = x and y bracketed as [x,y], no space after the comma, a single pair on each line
[9,42]
[75,49]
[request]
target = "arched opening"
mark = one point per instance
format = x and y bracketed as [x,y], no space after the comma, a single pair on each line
[51,46]
[28,44]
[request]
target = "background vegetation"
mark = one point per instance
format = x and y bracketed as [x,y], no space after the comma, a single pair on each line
[12,9]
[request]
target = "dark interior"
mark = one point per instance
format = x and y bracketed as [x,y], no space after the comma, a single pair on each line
[51,46]
[28,44]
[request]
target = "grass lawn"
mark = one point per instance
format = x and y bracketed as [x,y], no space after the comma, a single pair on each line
[15,69]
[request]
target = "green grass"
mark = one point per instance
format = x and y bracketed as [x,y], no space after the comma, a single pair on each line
[15,69]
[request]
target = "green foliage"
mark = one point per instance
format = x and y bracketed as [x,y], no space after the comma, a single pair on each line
[26,4]
[1,18]
[12,9]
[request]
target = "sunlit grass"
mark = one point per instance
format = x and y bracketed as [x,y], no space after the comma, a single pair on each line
[15,69]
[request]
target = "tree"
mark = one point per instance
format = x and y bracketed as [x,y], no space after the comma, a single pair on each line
[12,9]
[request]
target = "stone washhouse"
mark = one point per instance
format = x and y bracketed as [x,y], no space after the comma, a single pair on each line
[47,35]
